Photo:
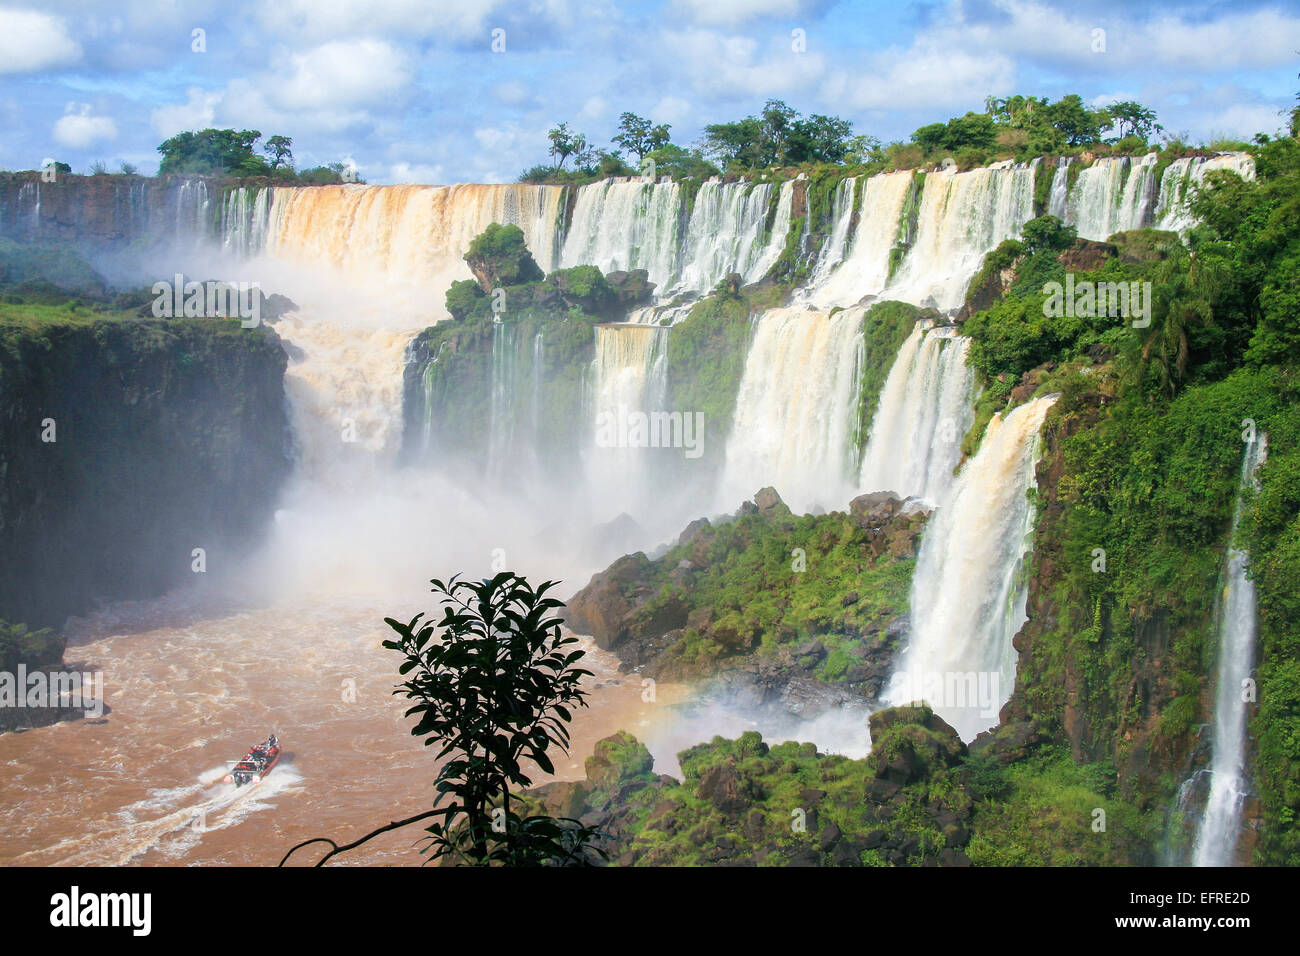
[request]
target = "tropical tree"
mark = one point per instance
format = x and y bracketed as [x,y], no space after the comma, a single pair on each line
[280,150]
[565,143]
[213,151]
[495,684]
[639,135]
[1130,118]
[777,136]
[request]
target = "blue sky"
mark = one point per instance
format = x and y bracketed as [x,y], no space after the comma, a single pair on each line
[411,90]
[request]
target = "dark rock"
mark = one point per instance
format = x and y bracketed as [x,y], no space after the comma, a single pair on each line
[721,786]
[602,609]
[830,835]
[767,499]
[632,289]
[1086,255]
[693,531]
[804,856]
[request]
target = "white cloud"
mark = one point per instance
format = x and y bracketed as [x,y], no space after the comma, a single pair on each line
[415,173]
[1242,121]
[596,108]
[671,109]
[343,72]
[31,41]
[513,93]
[1230,40]
[77,129]
[733,12]
[337,19]
[927,77]
[736,65]
[197,112]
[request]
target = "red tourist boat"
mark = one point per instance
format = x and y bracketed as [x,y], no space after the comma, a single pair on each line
[257,763]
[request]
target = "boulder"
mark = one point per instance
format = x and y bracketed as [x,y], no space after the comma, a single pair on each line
[632,289]
[721,786]
[767,500]
[601,609]
[1087,254]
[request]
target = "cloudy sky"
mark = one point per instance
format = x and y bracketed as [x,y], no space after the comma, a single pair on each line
[413,91]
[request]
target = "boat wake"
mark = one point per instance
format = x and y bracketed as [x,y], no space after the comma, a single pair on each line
[169,822]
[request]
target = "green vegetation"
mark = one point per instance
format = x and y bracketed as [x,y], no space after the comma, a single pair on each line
[767,583]
[706,359]
[1043,812]
[884,329]
[18,645]
[233,154]
[778,136]
[516,328]
[1147,443]
[920,798]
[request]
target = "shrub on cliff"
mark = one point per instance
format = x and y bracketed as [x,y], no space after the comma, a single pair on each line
[498,257]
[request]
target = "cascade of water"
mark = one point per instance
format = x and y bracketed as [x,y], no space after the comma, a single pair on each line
[962,217]
[501,428]
[968,596]
[925,408]
[1220,827]
[635,224]
[864,269]
[796,408]
[192,209]
[1178,182]
[1112,195]
[1056,200]
[832,250]
[402,235]
[626,224]
[345,398]
[630,377]
[245,215]
[757,258]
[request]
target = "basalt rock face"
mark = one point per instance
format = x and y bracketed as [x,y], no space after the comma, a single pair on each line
[95,210]
[797,615]
[167,436]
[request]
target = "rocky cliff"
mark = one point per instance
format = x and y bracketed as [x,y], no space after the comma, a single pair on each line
[124,446]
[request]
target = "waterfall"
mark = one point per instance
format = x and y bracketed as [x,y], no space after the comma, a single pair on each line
[634,224]
[962,217]
[1220,827]
[832,251]
[192,209]
[1112,195]
[630,376]
[1180,179]
[626,224]
[925,409]
[245,215]
[1056,201]
[864,270]
[345,397]
[501,428]
[389,237]
[796,409]
[968,592]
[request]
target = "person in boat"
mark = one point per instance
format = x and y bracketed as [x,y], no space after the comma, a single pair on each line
[271,742]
